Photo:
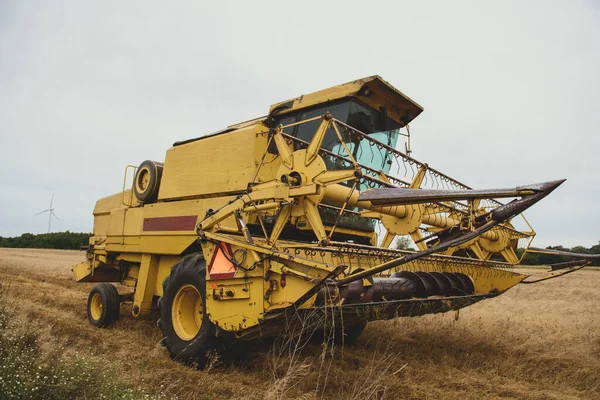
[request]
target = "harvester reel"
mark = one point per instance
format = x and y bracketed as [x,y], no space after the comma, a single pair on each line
[496,246]
[306,169]
[401,226]
[502,239]
[411,221]
[303,175]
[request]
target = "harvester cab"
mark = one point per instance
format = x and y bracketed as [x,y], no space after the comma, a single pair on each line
[300,223]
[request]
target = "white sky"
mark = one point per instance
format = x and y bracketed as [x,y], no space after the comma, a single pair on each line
[510,90]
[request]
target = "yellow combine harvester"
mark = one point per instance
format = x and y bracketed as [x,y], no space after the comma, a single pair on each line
[268,220]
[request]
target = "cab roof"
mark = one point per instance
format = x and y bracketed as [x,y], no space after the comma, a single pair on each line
[372,90]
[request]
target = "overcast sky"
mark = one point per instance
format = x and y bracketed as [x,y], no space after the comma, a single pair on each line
[511,91]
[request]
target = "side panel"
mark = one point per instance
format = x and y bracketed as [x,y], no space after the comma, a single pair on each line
[233,303]
[103,209]
[101,224]
[219,164]
[159,228]
[153,270]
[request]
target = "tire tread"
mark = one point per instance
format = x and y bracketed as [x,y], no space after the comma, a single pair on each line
[111,305]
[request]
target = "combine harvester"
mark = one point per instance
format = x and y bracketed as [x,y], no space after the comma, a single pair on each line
[275,219]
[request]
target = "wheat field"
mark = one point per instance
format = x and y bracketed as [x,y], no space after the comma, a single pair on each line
[534,342]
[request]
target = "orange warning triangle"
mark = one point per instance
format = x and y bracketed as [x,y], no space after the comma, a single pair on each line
[220,266]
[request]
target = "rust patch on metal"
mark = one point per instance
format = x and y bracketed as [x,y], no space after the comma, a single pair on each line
[182,223]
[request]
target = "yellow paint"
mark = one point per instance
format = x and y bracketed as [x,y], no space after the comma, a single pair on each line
[372,90]
[142,298]
[82,270]
[187,312]
[236,313]
[96,306]
[215,165]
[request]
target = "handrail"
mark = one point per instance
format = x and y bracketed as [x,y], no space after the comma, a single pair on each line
[130,204]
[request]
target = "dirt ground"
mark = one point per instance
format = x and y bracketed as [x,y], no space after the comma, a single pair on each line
[536,342]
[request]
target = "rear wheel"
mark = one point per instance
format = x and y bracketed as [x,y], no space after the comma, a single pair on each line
[103,306]
[188,333]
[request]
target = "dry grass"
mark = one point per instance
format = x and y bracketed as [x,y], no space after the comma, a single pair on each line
[538,342]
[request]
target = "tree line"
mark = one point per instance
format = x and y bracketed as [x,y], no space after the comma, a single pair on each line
[57,240]
[545,259]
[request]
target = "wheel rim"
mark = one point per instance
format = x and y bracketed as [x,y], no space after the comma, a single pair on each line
[96,306]
[187,312]
[143,179]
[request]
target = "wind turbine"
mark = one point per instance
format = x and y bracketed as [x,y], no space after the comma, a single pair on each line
[50,212]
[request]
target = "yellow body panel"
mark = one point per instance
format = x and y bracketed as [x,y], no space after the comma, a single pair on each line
[219,164]
[82,270]
[105,206]
[240,311]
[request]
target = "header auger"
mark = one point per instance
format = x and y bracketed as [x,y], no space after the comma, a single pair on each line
[278,217]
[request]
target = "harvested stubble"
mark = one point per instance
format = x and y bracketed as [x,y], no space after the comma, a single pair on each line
[538,341]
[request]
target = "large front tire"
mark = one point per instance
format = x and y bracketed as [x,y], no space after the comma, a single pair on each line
[188,333]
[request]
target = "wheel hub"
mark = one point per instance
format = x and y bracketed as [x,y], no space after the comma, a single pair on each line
[187,312]
[143,179]
[96,306]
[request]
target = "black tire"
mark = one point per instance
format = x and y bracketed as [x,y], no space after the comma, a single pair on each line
[147,181]
[350,334]
[338,336]
[191,270]
[108,296]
